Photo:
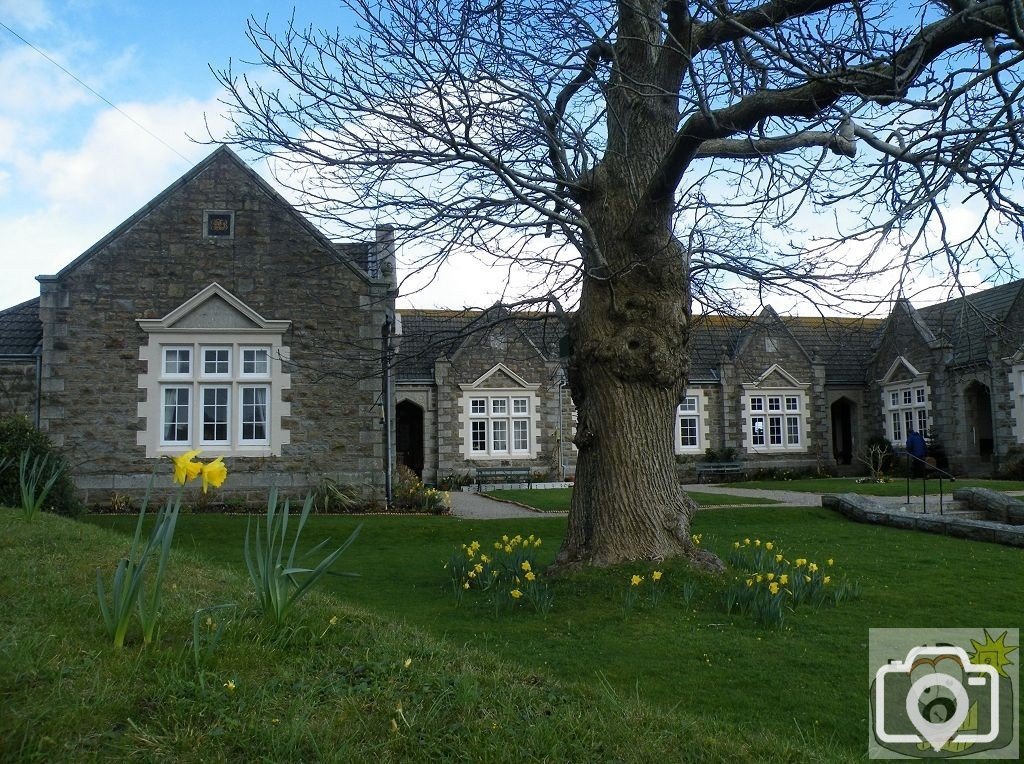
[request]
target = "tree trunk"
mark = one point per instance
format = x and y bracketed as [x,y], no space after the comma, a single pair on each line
[627,373]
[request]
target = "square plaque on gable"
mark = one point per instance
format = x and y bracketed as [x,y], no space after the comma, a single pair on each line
[219,225]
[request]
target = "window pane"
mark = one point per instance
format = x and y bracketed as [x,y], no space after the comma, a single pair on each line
[922,421]
[499,435]
[178,361]
[215,414]
[894,399]
[775,404]
[479,436]
[521,435]
[896,428]
[792,403]
[499,405]
[216,361]
[689,403]
[757,404]
[255,361]
[920,395]
[478,406]
[688,432]
[757,430]
[793,430]
[908,418]
[906,398]
[520,405]
[775,431]
[176,414]
[254,413]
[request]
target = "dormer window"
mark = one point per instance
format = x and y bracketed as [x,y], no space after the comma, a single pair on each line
[219,224]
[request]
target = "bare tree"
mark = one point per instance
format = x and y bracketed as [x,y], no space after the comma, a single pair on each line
[632,156]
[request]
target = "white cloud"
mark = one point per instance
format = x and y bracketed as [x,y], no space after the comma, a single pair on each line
[29,15]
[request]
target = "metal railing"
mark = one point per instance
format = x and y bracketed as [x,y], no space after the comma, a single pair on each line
[927,467]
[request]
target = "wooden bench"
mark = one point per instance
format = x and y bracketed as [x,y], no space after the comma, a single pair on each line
[717,470]
[503,475]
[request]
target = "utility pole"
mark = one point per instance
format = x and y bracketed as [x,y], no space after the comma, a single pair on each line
[386,354]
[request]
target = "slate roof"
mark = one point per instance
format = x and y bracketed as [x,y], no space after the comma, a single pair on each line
[842,344]
[21,331]
[967,322]
[428,335]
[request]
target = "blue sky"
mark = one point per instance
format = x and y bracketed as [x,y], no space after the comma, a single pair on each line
[72,167]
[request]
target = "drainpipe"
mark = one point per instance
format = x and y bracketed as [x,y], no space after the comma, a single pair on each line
[385,360]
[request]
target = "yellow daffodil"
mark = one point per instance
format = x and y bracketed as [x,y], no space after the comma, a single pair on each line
[505,539]
[230,685]
[773,587]
[813,567]
[656,575]
[525,566]
[508,549]
[516,594]
[334,620]
[536,543]
[783,579]
[801,561]
[770,576]
[826,579]
[408,662]
[497,545]
[185,467]
[759,578]
[750,582]
[465,584]
[636,580]
[757,542]
[478,568]
[484,559]
[472,574]
[778,558]
[735,545]
[470,553]
[769,545]
[807,579]
[829,562]
[530,575]
[746,542]
[214,473]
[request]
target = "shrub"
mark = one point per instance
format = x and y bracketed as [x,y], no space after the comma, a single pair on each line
[18,436]
[1013,464]
[410,495]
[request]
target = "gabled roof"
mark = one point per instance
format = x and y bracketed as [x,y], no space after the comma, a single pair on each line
[767,320]
[966,323]
[432,335]
[344,253]
[21,331]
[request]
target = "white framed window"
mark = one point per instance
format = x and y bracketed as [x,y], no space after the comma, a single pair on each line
[907,409]
[690,435]
[216,414]
[176,415]
[216,361]
[500,424]
[177,362]
[220,385]
[775,420]
[254,414]
[255,362]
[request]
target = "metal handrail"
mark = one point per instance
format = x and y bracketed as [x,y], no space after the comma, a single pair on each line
[924,481]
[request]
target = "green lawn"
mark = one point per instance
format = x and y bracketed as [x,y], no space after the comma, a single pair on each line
[400,676]
[557,499]
[898,486]
[805,683]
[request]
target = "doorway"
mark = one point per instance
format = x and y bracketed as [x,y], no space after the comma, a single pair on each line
[409,436]
[978,419]
[842,431]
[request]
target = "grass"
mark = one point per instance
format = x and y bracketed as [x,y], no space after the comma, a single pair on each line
[557,499]
[805,683]
[364,676]
[898,486]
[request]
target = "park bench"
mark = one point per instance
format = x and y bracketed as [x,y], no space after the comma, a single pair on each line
[712,471]
[503,475]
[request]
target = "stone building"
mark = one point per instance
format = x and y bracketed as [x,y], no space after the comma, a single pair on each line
[215,318]
[218,318]
[775,392]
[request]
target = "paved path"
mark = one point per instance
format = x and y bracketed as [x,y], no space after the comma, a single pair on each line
[478,507]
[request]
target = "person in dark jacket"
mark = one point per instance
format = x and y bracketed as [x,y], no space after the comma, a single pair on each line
[918,448]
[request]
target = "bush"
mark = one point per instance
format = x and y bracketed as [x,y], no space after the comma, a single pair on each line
[410,495]
[17,436]
[1012,466]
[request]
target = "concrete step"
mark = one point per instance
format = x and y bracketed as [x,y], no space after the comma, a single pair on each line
[950,507]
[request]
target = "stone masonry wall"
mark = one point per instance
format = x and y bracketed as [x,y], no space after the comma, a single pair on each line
[278,268]
[18,388]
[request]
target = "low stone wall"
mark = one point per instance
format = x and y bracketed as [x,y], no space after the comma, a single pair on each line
[863,510]
[997,507]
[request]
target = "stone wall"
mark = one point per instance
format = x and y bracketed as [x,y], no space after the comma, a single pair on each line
[18,388]
[277,265]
